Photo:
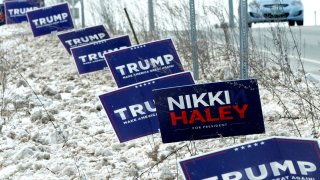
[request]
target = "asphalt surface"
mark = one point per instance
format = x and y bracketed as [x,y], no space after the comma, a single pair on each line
[306,38]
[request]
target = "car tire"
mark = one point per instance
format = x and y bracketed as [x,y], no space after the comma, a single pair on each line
[291,23]
[300,23]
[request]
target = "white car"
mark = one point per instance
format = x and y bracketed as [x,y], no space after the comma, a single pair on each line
[275,11]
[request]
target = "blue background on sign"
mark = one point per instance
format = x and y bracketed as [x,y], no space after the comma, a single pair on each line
[18,5]
[99,46]
[241,92]
[138,94]
[49,11]
[253,155]
[80,34]
[142,52]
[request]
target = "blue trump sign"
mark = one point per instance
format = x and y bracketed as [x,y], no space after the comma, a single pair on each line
[131,109]
[274,158]
[50,19]
[2,15]
[16,10]
[209,110]
[144,62]
[83,36]
[90,58]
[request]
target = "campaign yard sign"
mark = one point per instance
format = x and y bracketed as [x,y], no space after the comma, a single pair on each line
[143,62]
[83,36]
[90,58]
[2,15]
[16,10]
[50,19]
[209,110]
[131,109]
[275,158]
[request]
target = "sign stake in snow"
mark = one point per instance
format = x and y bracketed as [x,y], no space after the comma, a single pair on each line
[231,15]
[243,39]
[194,40]
[131,26]
[151,16]
[82,14]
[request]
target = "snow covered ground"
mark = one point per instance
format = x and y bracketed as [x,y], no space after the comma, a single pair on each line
[72,137]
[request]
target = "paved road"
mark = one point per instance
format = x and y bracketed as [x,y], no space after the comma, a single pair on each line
[307,39]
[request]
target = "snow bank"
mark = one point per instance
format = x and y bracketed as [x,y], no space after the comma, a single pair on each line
[72,136]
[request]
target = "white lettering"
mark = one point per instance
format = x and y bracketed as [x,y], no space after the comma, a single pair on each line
[139,65]
[149,108]
[102,35]
[16,11]
[20,11]
[276,171]
[95,56]
[156,61]
[263,173]
[214,98]
[86,39]
[168,58]
[77,41]
[64,15]
[69,42]
[35,21]
[42,21]
[83,58]
[121,112]
[232,176]
[276,167]
[227,97]
[212,178]
[121,69]
[132,67]
[50,19]
[92,57]
[144,67]
[179,104]
[194,100]
[197,100]
[188,101]
[10,11]
[306,167]
[136,110]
